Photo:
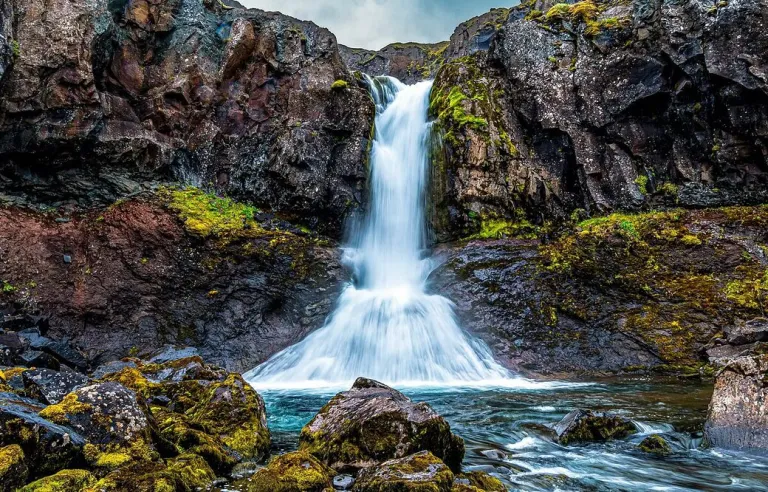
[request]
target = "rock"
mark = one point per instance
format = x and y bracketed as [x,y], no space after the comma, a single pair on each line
[104,413]
[63,481]
[170,353]
[581,426]
[13,470]
[292,472]
[407,62]
[655,444]
[738,416]
[35,358]
[111,368]
[50,386]
[14,379]
[372,423]
[343,482]
[186,472]
[47,447]
[477,482]
[749,332]
[34,339]
[420,471]
[11,341]
[65,353]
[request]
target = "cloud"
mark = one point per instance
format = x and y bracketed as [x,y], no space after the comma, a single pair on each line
[373,24]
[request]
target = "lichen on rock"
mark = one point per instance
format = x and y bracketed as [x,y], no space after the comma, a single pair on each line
[292,472]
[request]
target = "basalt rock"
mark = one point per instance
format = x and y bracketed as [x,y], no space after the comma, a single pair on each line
[420,471]
[372,423]
[581,426]
[50,386]
[103,100]
[601,107]
[407,62]
[738,415]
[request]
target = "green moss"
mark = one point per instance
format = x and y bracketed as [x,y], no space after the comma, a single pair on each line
[68,406]
[558,11]
[13,471]
[494,228]
[8,288]
[207,215]
[482,481]
[340,85]
[655,444]
[63,481]
[15,49]
[293,472]
[750,292]
[185,473]
[642,184]
[669,189]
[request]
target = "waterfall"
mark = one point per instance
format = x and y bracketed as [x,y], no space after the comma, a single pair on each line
[385,325]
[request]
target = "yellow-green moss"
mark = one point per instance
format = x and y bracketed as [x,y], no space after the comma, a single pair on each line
[494,228]
[63,481]
[750,292]
[293,472]
[10,457]
[642,184]
[68,406]
[482,481]
[340,85]
[207,215]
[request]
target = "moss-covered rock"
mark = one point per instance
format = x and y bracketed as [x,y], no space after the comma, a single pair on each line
[655,444]
[373,423]
[420,472]
[582,426]
[63,481]
[292,472]
[13,470]
[186,473]
[477,482]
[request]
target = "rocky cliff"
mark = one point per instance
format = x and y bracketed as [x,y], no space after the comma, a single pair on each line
[103,99]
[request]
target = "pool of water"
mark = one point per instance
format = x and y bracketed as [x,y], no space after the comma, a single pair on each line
[508,433]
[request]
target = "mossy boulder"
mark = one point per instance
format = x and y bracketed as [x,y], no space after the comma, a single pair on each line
[419,472]
[477,482]
[373,423]
[13,470]
[581,426]
[185,473]
[47,447]
[63,481]
[655,444]
[292,472]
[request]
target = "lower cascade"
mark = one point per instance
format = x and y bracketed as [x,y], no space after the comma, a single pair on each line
[386,326]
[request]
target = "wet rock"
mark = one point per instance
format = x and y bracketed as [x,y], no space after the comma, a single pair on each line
[104,413]
[581,426]
[171,353]
[63,481]
[47,447]
[111,368]
[13,470]
[292,472]
[655,444]
[186,472]
[50,386]
[477,482]
[738,415]
[343,482]
[749,332]
[372,423]
[420,471]
[36,358]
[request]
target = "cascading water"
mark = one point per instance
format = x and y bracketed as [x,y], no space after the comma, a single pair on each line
[386,326]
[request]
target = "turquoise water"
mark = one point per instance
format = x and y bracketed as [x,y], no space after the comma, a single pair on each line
[507,433]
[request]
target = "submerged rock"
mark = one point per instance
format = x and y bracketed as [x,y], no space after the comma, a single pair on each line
[372,423]
[292,472]
[738,413]
[422,471]
[655,444]
[581,426]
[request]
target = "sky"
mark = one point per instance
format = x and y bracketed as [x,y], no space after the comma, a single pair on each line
[373,24]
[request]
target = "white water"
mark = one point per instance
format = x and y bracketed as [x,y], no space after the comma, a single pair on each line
[385,325]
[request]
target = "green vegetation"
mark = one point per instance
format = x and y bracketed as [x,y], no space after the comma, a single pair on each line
[498,228]
[340,85]
[15,49]
[585,12]
[207,215]
[642,184]
[8,288]
[63,481]
[58,413]
[292,472]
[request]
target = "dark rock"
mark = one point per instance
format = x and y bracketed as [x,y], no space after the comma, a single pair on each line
[13,470]
[50,386]
[420,471]
[34,339]
[35,358]
[185,472]
[581,426]
[47,447]
[372,423]
[477,481]
[11,341]
[170,353]
[66,354]
[749,332]
[738,415]
[111,368]
[343,482]
[655,444]
[292,472]
[407,62]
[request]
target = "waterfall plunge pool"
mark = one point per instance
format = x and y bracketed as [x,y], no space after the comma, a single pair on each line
[506,432]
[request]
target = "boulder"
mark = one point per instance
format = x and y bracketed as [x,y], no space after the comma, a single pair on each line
[185,473]
[104,413]
[13,470]
[372,423]
[48,447]
[51,386]
[738,414]
[111,368]
[292,472]
[170,353]
[655,444]
[477,481]
[37,358]
[421,471]
[752,331]
[63,481]
[582,426]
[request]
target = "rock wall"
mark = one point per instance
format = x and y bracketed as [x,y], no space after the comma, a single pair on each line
[102,99]
[602,106]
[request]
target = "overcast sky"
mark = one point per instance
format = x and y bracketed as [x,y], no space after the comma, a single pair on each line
[373,24]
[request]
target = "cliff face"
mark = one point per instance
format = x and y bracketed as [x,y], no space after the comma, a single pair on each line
[102,99]
[600,106]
